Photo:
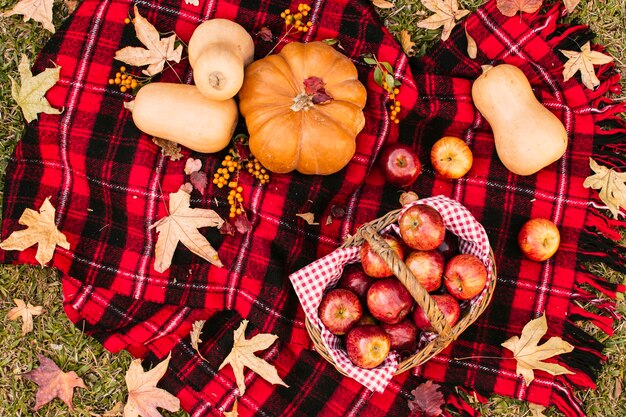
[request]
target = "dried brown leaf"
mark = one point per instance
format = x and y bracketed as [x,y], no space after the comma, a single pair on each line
[382,4]
[612,186]
[196,331]
[169,148]
[447,12]
[30,93]
[143,395]
[584,61]
[536,410]
[38,10]
[181,225]
[407,43]
[26,312]
[70,5]
[530,355]
[53,383]
[192,165]
[308,217]
[427,400]
[570,5]
[512,7]
[242,356]
[157,50]
[41,231]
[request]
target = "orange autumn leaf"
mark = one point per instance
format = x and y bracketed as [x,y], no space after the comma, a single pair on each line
[53,383]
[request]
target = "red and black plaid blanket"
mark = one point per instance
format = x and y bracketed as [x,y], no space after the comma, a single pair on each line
[109,183]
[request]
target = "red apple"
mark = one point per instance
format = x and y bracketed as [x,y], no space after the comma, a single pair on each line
[389,301]
[421,227]
[373,264]
[399,164]
[340,310]
[448,305]
[403,335]
[450,245]
[366,319]
[427,267]
[465,276]
[451,157]
[367,346]
[355,280]
[539,239]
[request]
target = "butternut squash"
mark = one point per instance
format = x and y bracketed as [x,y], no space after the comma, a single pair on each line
[528,137]
[219,49]
[180,113]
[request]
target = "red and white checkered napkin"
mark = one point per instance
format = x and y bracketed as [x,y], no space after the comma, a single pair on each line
[311,281]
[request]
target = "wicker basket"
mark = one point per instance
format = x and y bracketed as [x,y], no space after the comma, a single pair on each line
[445,334]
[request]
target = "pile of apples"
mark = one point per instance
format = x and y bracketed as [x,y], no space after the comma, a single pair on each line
[373,312]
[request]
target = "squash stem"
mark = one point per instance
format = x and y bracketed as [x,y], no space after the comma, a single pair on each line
[302,101]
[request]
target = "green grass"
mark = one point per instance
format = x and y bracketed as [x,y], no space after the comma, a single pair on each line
[103,372]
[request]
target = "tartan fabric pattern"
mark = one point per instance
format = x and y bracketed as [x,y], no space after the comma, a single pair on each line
[109,183]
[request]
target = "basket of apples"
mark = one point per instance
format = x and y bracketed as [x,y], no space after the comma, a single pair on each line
[399,290]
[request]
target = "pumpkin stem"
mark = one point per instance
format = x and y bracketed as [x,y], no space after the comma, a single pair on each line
[302,101]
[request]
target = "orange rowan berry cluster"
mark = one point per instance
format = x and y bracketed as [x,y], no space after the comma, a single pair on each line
[129,20]
[255,168]
[230,167]
[125,81]
[297,20]
[395,105]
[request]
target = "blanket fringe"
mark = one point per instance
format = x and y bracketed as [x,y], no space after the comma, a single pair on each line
[586,358]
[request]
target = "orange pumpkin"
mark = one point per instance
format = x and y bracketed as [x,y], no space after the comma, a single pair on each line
[303,108]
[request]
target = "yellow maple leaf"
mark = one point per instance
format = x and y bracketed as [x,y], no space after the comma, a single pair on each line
[583,61]
[530,355]
[242,356]
[612,186]
[143,395]
[157,50]
[38,10]
[446,14]
[29,94]
[181,225]
[41,230]
[26,312]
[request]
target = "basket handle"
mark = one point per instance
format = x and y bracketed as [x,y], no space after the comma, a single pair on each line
[406,277]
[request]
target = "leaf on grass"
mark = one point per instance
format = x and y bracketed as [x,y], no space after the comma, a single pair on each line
[143,395]
[233,412]
[26,312]
[182,226]
[570,5]
[41,230]
[511,7]
[446,14]
[472,48]
[427,400]
[242,356]
[38,10]
[29,95]
[116,411]
[583,61]
[612,186]
[530,355]
[53,383]
[169,148]
[407,43]
[536,410]
[382,4]
[308,217]
[157,50]
[71,5]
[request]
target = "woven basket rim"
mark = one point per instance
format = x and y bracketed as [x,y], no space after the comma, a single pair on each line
[436,345]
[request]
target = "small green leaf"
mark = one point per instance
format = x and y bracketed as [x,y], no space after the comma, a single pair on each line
[387,66]
[369,60]
[390,81]
[378,76]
